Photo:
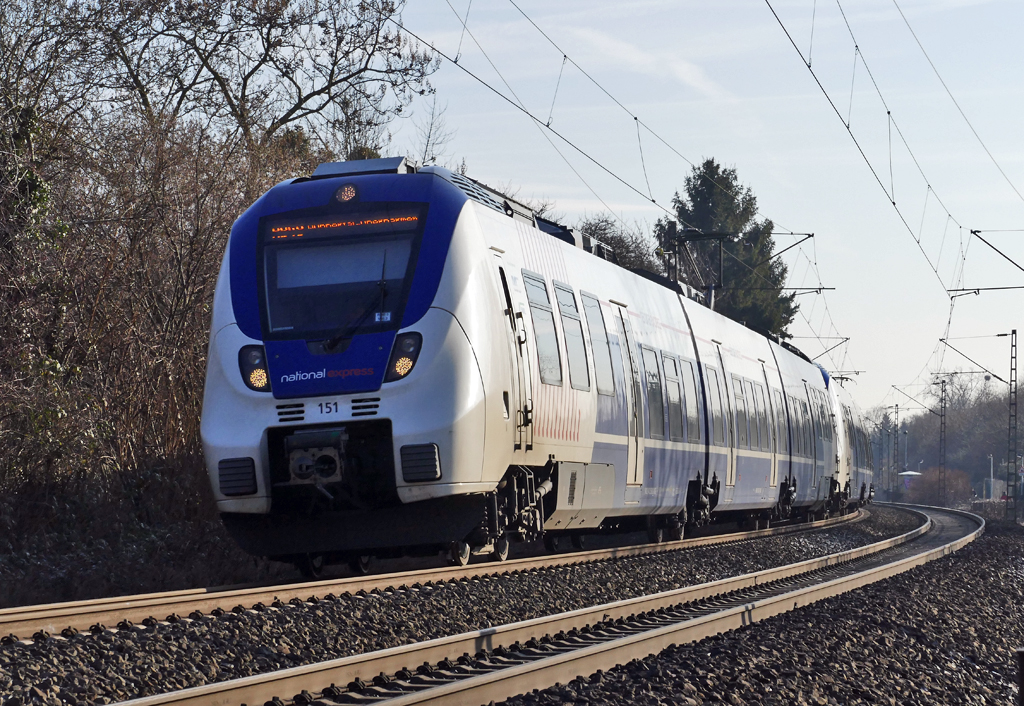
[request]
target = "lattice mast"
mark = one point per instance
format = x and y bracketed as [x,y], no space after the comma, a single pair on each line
[1011,451]
[942,445]
[894,470]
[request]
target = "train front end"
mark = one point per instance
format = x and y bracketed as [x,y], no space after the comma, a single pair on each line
[342,412]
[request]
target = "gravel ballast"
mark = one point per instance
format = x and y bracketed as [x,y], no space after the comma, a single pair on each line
[114,666]
[943,633]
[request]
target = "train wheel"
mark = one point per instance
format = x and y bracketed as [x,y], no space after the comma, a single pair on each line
[579,542]
[360,565]
[675,532]
[311,566]
[550,542]
[500,552]
[458,554]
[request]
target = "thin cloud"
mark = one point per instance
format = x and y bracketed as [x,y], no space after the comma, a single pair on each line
[614,50]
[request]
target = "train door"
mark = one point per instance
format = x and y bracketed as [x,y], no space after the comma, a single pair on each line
[634,399]
[772,441]
[817,450]
[730,415]
[783,437]
[521,402]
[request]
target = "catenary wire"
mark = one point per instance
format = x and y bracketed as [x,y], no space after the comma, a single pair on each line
[654,134]
[517,103]
[956,103]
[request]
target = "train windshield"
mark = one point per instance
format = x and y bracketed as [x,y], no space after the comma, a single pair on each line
[330,276]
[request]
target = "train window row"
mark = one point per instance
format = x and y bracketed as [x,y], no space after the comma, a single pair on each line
[548,354]
[681,382]
[798,416]
[753,415]
[756,425]
[679,397]
[860,449]
[824,415]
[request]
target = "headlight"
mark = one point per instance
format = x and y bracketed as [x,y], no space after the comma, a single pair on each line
[252,362]
[403,356]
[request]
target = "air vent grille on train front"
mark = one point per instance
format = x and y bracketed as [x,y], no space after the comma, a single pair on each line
[291,412]
[365,406]
[473,191]
[420,463]
[237,476]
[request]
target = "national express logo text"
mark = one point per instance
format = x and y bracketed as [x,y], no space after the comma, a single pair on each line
[321,374]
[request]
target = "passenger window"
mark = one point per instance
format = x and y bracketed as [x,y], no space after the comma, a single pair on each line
[715,400]
[599,345]
[816,416]
[690,398]
[819,413]
[827,420]
[757,440]
[675,398]
[632,371]
[575,348]
[655,404]
[808,438]
[764,418]
[796,421]
[741,413]
[780,422]
[548,357]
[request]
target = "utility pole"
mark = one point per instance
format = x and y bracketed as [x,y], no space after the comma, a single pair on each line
[883,439]
[942,445]
[895,456]
[1011,455]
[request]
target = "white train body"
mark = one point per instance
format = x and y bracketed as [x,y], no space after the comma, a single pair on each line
[551,390]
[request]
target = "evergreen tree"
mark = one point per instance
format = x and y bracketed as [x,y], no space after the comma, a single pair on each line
[751,292]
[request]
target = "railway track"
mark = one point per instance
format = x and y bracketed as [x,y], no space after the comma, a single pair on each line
[32,622]
[499,662]
[496,663]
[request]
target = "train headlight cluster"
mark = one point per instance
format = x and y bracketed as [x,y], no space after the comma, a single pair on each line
[252,363]
[403,356]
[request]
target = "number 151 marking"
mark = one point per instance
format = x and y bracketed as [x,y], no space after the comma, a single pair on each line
[328,407]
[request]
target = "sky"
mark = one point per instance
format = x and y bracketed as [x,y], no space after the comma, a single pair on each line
[723,79]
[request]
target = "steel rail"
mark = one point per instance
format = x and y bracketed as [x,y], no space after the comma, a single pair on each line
[478,684]
[82,615]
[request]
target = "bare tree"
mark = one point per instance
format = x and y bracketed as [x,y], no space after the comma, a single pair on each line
[258,67]
[433,134]
[39,96]
[132,134]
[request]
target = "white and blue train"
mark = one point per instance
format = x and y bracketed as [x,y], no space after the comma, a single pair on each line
[403,360]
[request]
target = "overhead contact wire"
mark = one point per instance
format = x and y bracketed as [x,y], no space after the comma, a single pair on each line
[625,109]
[956,103]
[519,104]
[856,142]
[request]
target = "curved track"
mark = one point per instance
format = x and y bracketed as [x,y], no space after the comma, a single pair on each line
[499,662]
[96,615]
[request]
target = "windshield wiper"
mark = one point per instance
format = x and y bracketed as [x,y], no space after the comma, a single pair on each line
[348,330]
